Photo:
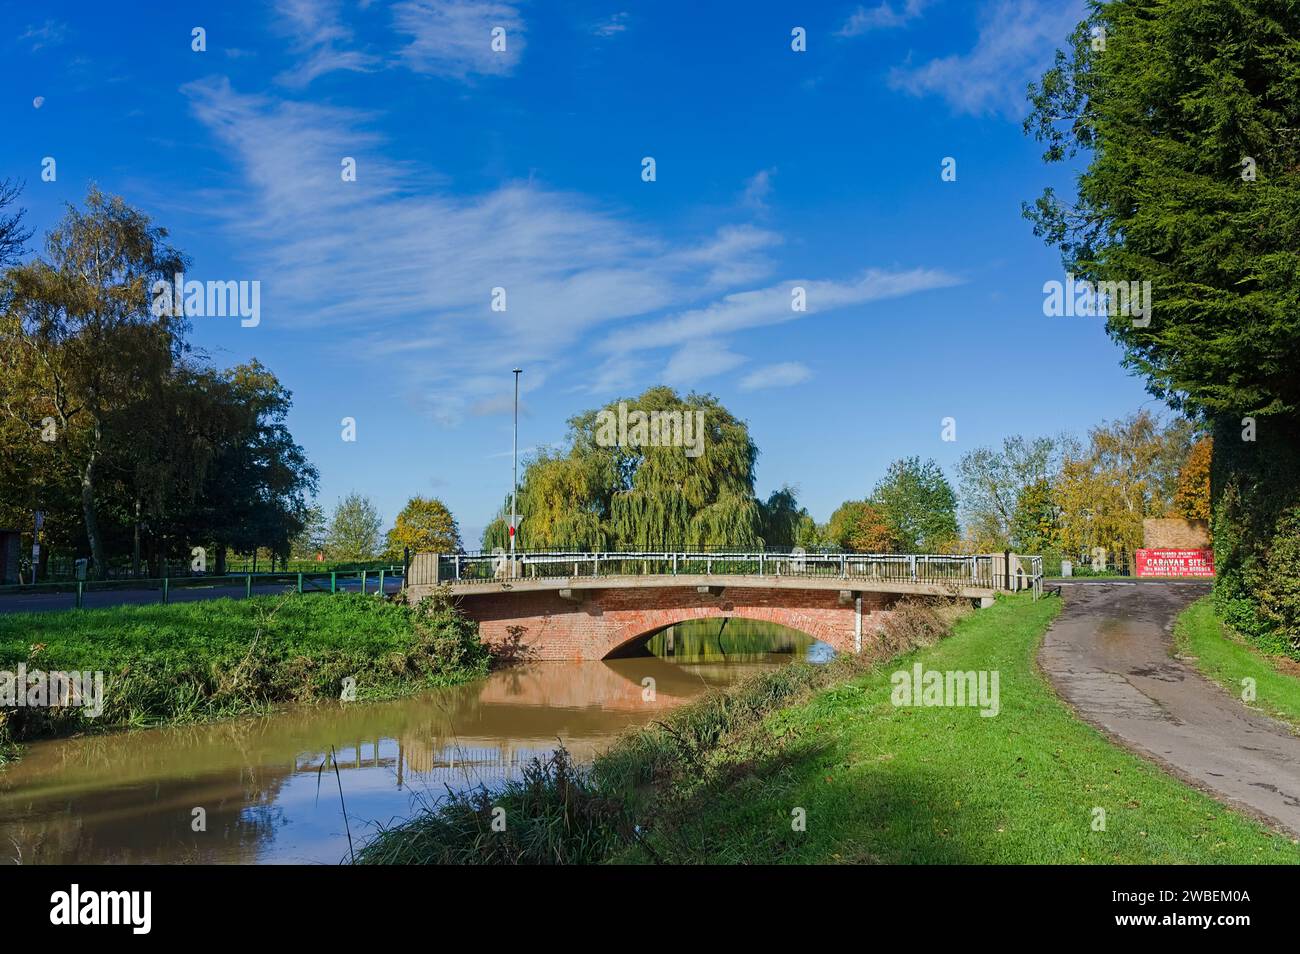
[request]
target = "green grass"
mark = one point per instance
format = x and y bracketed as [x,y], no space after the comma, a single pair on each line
[1227,659]
[880,783]
[188,662]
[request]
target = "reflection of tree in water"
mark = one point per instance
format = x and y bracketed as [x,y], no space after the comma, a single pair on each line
[730,638]
[151,822]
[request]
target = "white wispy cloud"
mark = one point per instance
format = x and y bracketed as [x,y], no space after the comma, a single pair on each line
[614,25]
[783,375]
[453,38]
[415,266]
[884,16]
[49,33]
[615,374]
[320,40]
[758,308]
[697,361]
[1017,41]
[757,189]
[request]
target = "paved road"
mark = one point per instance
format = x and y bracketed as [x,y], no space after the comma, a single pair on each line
[1108,655]
[42,602]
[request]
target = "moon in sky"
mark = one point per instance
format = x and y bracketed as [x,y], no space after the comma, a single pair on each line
[38,102]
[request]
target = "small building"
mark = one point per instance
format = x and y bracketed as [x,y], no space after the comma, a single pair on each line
[9,556]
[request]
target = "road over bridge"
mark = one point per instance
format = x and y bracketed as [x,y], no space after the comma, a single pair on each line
[601,605]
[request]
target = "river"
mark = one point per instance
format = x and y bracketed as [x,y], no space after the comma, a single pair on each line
[265,787]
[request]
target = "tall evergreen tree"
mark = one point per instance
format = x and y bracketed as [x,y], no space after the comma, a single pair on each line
[1189,113]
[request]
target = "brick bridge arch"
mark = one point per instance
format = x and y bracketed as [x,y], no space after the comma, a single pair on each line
[593,623]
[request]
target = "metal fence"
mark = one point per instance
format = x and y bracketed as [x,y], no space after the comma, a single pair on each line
[365,581]
[65,569]
[980,570]
[482,567]
[1084,563]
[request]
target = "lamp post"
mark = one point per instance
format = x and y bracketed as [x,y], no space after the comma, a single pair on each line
[514,486]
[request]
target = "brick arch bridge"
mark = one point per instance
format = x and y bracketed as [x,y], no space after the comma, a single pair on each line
[598,623]
[590,605]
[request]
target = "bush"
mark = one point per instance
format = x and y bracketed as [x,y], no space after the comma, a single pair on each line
[553,815]
[1255,491]
[1278,585]
[449,641]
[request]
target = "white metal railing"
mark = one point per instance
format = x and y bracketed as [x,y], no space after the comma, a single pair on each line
[983,570]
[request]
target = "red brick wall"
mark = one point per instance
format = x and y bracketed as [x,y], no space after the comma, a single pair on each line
[553,628]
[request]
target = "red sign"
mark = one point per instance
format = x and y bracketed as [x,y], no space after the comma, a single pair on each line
[1175,563]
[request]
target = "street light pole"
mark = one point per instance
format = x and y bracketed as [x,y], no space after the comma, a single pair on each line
[514,486]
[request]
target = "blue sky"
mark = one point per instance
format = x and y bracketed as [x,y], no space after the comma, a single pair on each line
[522,169]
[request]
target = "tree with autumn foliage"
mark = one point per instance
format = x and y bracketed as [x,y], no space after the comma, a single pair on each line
[1192,494]
[1128,472]
[425,525]
[860,527]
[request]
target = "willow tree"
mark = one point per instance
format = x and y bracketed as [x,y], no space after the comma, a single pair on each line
[561,503]
[786,524]
[685,485]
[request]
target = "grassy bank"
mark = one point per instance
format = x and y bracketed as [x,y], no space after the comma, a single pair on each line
[819,766]
[215,658]
[1227,658]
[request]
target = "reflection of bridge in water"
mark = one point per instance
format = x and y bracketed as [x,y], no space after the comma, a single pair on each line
[522,713]
[457,765]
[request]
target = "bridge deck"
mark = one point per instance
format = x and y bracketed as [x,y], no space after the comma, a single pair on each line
[965,589]
[571,573]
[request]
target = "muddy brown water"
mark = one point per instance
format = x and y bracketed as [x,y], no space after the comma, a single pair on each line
[131,797]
